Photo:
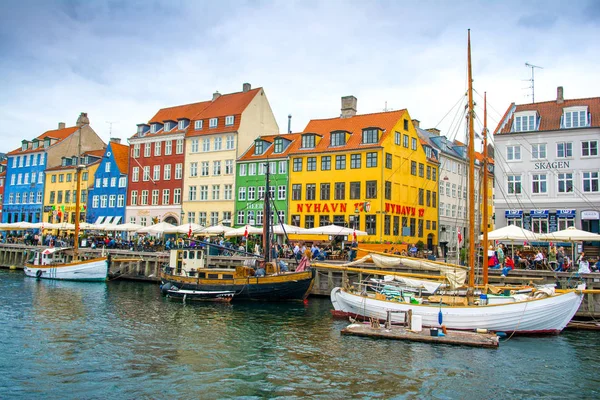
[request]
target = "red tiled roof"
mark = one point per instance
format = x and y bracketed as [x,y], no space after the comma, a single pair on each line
[354,125]
[59,134]
[550,113]
[268,153]
[121,155]
[225,105]
[96,153]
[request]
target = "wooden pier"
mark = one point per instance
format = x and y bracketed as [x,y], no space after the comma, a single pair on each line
[146,266]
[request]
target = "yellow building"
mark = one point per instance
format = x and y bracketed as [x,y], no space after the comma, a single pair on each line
[225,128]
[60,194]
[370,172]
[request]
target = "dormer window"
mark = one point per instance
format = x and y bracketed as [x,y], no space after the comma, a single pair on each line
[308,141]
[168,126]
[181,125]
[525,121]
[575,117]
[74,160]
[64,162]
[259,147]
[212,123]
[36,143]
[24,145]
[86,160]
[338,138]
[278,146]
[370,135]
[229,120]
[153,128]
[198,125]
[46,143]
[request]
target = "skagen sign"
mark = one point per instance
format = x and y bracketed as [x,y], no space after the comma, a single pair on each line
[551,165]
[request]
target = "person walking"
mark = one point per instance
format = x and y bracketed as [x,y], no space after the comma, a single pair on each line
[560,259]
[552,258]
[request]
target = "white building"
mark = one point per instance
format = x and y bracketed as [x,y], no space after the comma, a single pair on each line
[547,165]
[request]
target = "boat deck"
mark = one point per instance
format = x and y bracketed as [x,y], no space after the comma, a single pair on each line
[452,337]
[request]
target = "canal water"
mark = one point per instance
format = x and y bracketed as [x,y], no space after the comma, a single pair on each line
[68,340]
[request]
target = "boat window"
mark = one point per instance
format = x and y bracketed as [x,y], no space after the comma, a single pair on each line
[180,255]
[184,254]
[227,276]
[213,276]
[202,275]
[192,254]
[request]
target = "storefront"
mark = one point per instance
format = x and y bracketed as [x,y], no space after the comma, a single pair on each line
[590,221]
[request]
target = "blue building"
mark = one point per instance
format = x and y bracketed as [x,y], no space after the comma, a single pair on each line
[107,195]
[24,185]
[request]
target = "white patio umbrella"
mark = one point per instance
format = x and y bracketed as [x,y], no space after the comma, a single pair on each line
[242,230]
[289,229]
[214,230]
[161,227]
[65,226]
[185,228]
[571,234]
[333,230]
[512,233]
[128,227]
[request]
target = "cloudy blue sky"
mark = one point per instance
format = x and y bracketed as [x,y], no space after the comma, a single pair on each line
[121,61]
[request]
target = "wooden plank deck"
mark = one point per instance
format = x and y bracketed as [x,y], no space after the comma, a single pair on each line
[485,340]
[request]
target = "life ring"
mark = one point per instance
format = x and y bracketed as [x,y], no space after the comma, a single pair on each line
[39,273]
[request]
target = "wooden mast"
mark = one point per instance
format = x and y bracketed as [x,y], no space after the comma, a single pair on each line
[485,192]
[77,198]
[471,255]
[267,218]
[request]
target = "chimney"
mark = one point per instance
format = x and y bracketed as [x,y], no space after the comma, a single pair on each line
[416,123]
[216,95]
[115,140]
[559,95]
[246,87]
[83,120]
[435,131]
[61,125]
[289,123]
[348,106]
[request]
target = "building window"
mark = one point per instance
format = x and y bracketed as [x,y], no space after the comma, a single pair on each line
[388,190]
[371,224]
[421,170]
[413,168]
[388,162]
[539,225]
[166,196]
[309,221]
[104,198]
[296,191]
[212,123]
[538,151]
[134,198]
[539,185]
[227,192]
[338,139]
[308,141]
[198,125]
[251,193]
[179,146]
[311,189]
[176,196]
[243,169]
[370,136]
[229,120]
[216,192]
[575,119]
[524,123]
[240,218]
[422,196]
[194,169]
[178,171]
[589,148]
[413,145]
[218,143]
[228,167]
[311,163]
[168,147]
[147,150]
[340,162]
[230,142]
[324,220]
[340,191]
[325,163]
[156,173]
[590,182]
[206,145]
[371,160]
[214,217]
[355,161]
[157,148]
[202,218]
[564,150]
[112,201]
[194,145]
[514,184]
[354,190]
[242,193]
[278,146]
[144,201]
[513,153]
[216,168]
[192,193]
[397,138]
[252,169]
[167,172]
[565,182]
[281,190]
[325,191]
[96,199]
[297,164]
[371,189]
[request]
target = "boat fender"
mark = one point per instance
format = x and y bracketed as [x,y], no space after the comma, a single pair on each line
[38,274]
[501,334]
[165,288]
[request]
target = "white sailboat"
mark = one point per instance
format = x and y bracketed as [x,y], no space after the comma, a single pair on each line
[50,262]
[539,311]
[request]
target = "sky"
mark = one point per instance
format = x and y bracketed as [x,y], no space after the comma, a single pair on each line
[121,61]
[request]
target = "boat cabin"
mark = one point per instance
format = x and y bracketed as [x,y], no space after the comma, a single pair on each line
[186,261]
[49,256]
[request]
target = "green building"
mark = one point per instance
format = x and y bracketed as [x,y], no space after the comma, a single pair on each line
[250,179]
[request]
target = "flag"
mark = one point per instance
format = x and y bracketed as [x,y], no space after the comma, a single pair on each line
[354,235]
[459,236]
[246,232]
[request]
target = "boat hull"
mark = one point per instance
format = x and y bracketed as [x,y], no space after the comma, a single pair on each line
[196,295]
[283,287]
[548,315]
[88,270]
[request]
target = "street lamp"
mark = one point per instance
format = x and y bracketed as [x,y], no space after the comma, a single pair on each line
[182,215]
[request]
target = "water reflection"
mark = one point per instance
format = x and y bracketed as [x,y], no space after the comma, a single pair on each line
[122,339]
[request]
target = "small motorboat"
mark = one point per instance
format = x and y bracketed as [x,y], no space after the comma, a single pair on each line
[173,292]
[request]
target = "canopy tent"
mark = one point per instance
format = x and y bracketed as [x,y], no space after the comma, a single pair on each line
[213,230]
[282,229]
[129,227]
[242,230]
[333,230]
[161,227]
[571,234]
[186,228]
[512,233]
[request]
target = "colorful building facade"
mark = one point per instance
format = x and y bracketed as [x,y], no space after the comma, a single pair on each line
[217,137]
[26,167]
[368,172]
[271,150]
[107,194]
[60,197]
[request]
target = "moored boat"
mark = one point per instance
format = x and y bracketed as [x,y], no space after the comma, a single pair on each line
[174,292]
[49,264]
